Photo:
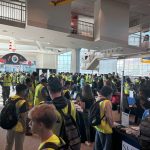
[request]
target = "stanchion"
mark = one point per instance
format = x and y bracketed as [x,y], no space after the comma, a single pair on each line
[122,91]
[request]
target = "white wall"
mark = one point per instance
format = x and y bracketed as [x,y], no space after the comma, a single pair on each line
[41,14]
[50,61]
[108,66]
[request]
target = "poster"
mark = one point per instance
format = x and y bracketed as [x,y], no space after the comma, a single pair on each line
[126,146]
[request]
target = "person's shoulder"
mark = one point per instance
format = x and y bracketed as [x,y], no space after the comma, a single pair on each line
[107,102]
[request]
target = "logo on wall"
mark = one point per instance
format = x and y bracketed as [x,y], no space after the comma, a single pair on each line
[13,58]
[59,2]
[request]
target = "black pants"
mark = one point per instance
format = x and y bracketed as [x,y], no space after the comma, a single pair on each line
[5,93]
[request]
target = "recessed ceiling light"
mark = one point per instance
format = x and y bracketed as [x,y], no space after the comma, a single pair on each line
[48,43]
[41,37]
[5,31]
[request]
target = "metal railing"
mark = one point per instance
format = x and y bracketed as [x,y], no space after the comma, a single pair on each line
[13,11]
[83,28]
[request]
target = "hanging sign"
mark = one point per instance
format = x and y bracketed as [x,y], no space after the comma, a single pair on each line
[145,60]
[59,2]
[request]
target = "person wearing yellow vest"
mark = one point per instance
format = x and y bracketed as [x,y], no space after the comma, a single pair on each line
[17,134]
[34,77]
[30,95]
[41,92]
[43,118]
[127,86]
[30,102]
[7,82]
[103,137]
[66,90]
[61,103]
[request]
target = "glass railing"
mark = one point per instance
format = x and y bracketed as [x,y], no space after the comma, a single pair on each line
[13,11]
[134,40]
[83,28]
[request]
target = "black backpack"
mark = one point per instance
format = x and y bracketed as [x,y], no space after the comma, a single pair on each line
[144,138]
[61,146]
[94,114]
[69,130]
[9,115]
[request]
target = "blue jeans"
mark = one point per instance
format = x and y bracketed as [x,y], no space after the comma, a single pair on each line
[102,141]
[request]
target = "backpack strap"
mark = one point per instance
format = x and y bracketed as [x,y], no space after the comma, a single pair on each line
[69,107]
[101,100]
[49,145]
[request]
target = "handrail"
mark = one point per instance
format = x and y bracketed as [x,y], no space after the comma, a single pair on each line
[13,11]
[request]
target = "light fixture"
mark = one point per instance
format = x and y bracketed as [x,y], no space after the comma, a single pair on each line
[41,37]
[59,2]
[5,31]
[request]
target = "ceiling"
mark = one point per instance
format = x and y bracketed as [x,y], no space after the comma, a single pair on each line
[57,42]
[137,7]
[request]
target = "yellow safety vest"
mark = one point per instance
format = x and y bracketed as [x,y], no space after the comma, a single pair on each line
[7,81]
[38,94]
[19,127]
[53,139]
[65,91]
[57,127]
[126,88]
[30,98]
[104,127]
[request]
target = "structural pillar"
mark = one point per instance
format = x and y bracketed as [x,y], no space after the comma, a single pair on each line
[111,21]
[75,62]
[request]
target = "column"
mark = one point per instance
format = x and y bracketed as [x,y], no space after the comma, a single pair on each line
[75,61]
[111,21]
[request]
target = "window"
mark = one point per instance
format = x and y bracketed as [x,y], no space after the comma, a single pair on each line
[64,62]
[133,67]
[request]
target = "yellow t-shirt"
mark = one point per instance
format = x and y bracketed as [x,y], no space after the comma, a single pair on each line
[104,127]
[53,139]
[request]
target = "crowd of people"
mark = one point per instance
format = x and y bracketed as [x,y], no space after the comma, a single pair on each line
[57,108]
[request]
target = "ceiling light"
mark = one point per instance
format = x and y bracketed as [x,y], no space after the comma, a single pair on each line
[48,43]
[5,31]
[41,37]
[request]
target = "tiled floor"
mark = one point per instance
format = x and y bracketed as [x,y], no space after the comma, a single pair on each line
[31,143]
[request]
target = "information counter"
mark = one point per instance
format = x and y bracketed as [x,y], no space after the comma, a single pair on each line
[125,139]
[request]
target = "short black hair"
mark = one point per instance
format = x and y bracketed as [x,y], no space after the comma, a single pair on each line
[106,91]
[54,85]
[35,74]
[43,80]
[20,88]
[28,80]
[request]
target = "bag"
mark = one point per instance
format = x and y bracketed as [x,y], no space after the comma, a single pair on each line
[69,131]
[61,146]
[94,114]
[144,138]
[9,115]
